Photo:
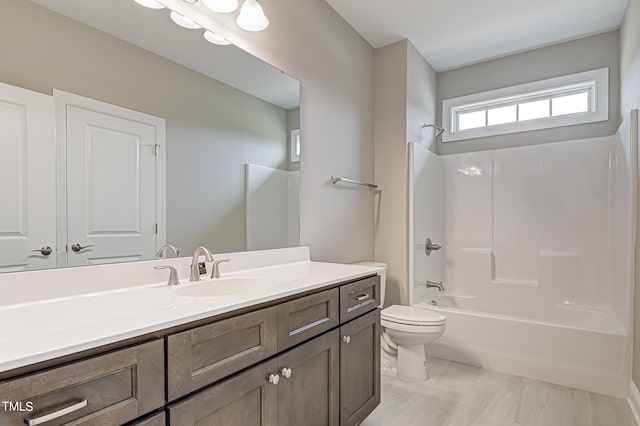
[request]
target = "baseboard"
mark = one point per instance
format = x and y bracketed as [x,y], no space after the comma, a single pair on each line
[634,402]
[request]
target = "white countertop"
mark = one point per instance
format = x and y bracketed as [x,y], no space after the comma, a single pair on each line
[40,330]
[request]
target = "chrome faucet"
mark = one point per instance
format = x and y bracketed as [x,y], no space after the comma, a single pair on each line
[439,286]
[195,269]
[162,251]
[215,269]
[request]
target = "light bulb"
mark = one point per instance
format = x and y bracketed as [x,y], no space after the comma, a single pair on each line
[151,4]
[221,6]
[252,17]
[214,38]
[183,21]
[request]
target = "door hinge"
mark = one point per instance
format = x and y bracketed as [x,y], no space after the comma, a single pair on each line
[156,229]
[157,149]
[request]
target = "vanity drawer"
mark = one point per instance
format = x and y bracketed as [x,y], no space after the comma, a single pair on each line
[203,355]
[306,317]
[358,298]
[105,390]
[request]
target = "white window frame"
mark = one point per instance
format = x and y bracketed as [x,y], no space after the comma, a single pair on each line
[595,81]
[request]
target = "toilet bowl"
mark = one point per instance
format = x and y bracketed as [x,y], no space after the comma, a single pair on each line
[406,331]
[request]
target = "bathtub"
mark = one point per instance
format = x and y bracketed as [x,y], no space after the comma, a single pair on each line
[535,345]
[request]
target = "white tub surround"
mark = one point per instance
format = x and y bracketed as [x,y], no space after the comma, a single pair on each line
[536,259]
[60,312]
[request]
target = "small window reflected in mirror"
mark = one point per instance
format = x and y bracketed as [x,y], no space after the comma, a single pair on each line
[295,145]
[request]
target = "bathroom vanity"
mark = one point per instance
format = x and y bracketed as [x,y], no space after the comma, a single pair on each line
[304,352]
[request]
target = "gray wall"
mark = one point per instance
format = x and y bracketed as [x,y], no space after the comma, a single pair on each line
[212,129]
[405,89]
[310,41]
[390,71]
[630,99]
[585,54]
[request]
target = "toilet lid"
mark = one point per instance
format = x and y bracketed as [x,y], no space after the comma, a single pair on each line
[414,316]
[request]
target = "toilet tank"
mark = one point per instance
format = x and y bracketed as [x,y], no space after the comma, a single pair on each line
[383,277]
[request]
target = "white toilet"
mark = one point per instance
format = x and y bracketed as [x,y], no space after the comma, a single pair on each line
[405,332]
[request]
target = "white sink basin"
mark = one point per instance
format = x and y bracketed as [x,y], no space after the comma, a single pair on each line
[226,287]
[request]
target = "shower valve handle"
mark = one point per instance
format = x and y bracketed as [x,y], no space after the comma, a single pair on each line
[429,246]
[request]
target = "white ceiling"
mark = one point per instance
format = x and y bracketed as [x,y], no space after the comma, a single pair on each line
[154,31]
[453,33]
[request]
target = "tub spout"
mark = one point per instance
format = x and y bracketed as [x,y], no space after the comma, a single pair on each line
[439,286]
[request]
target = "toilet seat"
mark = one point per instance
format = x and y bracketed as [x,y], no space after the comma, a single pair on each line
[408,315]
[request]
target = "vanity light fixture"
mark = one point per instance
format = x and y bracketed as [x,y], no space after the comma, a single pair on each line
[214,38]
[184,21]
[221,6]
[151,4]
[252,17]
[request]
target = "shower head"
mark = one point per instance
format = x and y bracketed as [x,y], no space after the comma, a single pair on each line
[439,130]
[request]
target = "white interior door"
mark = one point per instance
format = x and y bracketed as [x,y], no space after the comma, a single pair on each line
[113,185]
[28,180]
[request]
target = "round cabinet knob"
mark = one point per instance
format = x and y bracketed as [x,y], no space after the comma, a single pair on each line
[45,251]
[346,339]
[274,379]
[286,373]
[77,247]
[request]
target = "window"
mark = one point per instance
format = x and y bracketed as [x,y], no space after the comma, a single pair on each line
[562,101]
[295,145]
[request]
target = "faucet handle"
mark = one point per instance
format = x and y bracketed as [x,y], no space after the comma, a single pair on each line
[173,274]
[215,269]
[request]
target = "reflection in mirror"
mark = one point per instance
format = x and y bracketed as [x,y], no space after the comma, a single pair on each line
[162,137]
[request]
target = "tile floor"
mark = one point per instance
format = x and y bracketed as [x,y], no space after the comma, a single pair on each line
[460,394]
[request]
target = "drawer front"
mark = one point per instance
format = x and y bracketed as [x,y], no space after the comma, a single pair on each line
[306,317]
[105,390]
[358,298]
[199,357]
[246,399]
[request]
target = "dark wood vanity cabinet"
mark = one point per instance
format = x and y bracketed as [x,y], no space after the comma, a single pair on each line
[309,360]
[327,371]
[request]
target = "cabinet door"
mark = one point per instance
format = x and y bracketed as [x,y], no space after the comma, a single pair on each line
[359,368]
[204,355]
[109,389]
[309,394]
[248,399]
